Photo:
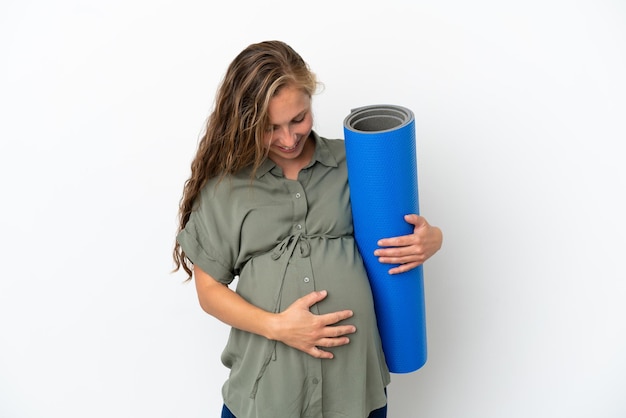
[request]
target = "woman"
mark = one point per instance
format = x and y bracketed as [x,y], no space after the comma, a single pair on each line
[268,202]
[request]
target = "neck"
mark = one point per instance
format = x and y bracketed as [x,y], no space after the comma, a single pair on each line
[291,168]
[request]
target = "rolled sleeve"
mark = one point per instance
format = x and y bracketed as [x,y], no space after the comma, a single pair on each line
[202,254]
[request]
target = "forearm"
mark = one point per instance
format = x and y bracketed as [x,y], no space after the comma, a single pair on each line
[219,301]
[296,326]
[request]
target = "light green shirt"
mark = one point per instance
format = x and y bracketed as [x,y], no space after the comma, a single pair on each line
[284,239]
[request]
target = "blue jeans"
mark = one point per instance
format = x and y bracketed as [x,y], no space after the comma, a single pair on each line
[379,413]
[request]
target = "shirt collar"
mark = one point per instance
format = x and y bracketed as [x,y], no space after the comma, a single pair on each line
[322,154]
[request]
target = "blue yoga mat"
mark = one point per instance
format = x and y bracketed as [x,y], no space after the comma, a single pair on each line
[382,173]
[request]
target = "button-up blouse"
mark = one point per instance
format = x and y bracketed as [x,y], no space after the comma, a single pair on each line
[283,239]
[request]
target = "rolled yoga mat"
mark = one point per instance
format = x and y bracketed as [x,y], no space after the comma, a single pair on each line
[382,174]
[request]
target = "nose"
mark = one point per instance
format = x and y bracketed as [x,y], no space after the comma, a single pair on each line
[285,137]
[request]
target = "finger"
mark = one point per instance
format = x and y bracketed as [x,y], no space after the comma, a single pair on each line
[333,342]
[338,331]
[319,353]
[334,317]
[407,251]
[402,254]
[312,298]
[402,260]
[415,220]
[403,268]
[399,241]
[402,240]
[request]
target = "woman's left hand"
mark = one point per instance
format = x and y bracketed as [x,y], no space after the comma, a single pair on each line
[410,250]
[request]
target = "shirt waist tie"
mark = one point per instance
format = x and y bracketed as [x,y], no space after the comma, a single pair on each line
[293,244]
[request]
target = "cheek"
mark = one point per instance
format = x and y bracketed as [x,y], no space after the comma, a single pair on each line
[306,125]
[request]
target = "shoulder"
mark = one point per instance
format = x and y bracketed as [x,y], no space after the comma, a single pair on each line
[217,194]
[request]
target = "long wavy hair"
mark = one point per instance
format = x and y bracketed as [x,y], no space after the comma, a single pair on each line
[233,136]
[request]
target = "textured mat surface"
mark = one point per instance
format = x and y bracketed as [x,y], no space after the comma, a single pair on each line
[382,173]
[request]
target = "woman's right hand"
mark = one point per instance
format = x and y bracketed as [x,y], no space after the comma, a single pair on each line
[299,328]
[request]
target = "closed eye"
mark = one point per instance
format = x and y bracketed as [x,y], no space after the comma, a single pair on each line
[300,118]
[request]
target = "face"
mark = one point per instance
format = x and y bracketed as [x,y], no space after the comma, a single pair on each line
[291,122]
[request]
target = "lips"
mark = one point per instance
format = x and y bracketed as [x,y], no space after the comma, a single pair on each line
[289,149]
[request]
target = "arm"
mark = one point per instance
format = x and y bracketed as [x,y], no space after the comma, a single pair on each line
[296,326]
[410,250]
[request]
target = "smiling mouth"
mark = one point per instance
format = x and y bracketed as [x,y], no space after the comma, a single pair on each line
[288,149]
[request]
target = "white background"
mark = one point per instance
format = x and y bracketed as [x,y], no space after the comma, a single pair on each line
[520,117]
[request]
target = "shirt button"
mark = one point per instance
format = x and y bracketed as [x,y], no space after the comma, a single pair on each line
[315,381]
[298,195]
[298,226]
[306,280]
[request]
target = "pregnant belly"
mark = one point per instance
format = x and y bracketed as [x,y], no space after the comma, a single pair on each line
[335,265]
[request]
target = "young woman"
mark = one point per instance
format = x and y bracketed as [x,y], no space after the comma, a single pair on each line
[268,202]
